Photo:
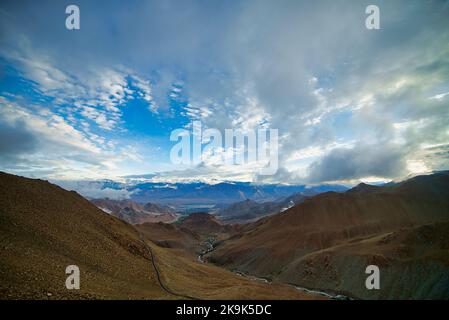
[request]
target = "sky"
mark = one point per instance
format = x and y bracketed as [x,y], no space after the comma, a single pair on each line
[350,104]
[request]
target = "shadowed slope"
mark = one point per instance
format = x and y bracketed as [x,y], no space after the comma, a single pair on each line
[134,213]
[268,247]
[171,236]
[182,273]
[206,224]
[413,262]
[45,228]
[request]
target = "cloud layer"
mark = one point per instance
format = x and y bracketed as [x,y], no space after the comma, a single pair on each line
[349,103]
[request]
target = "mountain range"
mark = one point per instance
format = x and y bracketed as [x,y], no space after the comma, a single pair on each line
[329,239]
[45,228]
[180,195]
[136,213]
[249,210]
[221,193]
[321,242]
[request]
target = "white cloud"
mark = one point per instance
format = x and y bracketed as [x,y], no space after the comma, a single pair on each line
[53,128]
[94,92]
[439,96]
[54,147]
[94,189]
[283,65]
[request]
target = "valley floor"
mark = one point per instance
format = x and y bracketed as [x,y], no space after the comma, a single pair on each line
[185,277]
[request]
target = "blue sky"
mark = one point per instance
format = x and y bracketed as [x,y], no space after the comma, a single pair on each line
[350,104]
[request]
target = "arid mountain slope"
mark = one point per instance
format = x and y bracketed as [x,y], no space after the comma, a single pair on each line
[273,246]
[182,272]
[172,236]
[413,262]
[45,228]
[206,224]
[249,210]
[135,213]
[176,252]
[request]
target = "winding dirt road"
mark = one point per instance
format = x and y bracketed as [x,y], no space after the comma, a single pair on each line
[158,276]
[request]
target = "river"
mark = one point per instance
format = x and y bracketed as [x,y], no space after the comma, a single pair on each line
[210,247]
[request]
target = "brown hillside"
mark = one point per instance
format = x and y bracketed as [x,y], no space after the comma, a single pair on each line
[45,228]
[135,213]
[331,219]
[414,264]
[206,224]
[185,275]
[171,236]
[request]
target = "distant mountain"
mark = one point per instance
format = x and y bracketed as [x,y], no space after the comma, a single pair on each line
[245,209]
[249,210]
[221,193]
[45,229]
[363,187]
[172,236]
[196,193]
[327,241]
[135,213]
[206,224]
